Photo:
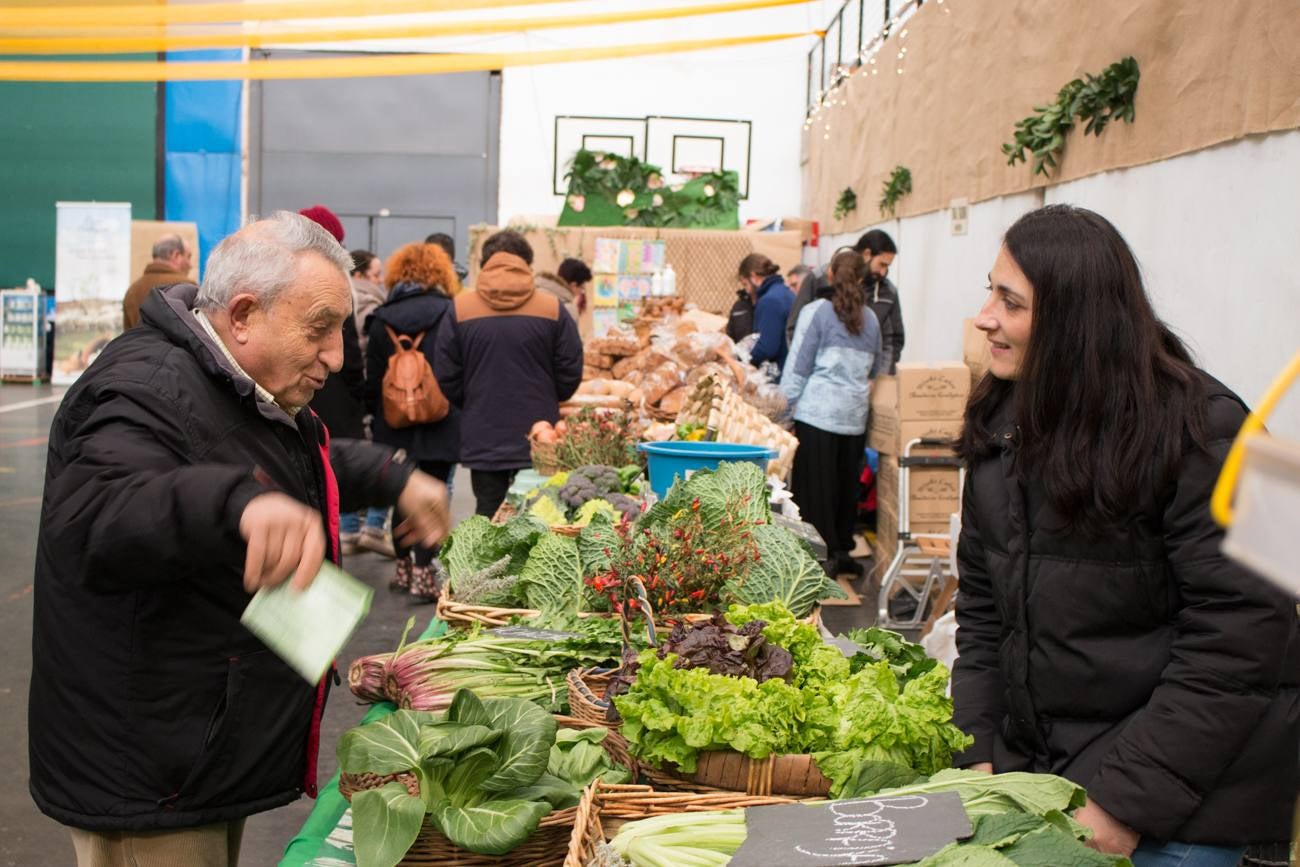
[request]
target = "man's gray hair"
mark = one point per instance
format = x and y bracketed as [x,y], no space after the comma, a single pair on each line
[259,259]
[165,246]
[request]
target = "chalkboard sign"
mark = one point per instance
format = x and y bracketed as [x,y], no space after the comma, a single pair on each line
[531,634]
[884,830]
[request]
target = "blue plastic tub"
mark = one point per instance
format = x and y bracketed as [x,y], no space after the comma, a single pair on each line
[673,460]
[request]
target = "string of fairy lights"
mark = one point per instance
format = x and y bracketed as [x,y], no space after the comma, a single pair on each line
[870,61]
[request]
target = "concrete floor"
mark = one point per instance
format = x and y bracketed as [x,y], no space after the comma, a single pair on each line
[28,838]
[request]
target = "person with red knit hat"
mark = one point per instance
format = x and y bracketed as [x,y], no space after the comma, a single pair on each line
[325,218]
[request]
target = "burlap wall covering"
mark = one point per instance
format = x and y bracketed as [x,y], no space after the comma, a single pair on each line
[1212,71]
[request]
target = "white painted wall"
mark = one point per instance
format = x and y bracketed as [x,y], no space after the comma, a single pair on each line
[1217,233]
[763,83]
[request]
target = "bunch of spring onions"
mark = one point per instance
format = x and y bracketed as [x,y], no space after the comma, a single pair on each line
[425,675]
[704,839]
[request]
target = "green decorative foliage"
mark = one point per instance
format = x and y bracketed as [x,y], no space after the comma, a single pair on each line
[847,204]
[607,189]
[898,185]
[1095,99]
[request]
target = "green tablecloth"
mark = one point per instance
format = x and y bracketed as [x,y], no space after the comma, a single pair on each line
[310,843]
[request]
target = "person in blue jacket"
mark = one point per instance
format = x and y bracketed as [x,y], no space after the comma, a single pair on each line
[772,302]
[835,354]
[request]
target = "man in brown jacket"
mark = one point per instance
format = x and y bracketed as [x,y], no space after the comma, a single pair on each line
[171,263]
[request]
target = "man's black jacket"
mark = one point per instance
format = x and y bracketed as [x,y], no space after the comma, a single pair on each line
[151,706]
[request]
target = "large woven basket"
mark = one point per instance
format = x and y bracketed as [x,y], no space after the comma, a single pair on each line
[605,808]
[546,847]
[716,770]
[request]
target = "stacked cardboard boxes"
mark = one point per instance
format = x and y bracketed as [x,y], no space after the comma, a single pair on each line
[924,401]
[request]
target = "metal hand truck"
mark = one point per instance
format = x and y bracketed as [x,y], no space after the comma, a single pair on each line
[915,571]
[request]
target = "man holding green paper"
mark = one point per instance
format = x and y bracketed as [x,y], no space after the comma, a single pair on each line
[185,472]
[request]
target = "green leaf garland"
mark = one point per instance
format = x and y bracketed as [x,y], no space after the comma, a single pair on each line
[1095,99]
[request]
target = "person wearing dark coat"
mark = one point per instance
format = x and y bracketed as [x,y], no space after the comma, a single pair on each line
[186,471]
[878,252]
[1103,635]
[507,356]
[740,320]
[416,306]
[772,302]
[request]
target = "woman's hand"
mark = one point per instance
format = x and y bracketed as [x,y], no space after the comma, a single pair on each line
[1109,835]
[984,767]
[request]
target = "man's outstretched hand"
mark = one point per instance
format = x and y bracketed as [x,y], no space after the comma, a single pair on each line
[425,512]
[284,538]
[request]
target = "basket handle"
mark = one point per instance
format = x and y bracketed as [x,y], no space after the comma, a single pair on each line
[646,609]
[1221,499]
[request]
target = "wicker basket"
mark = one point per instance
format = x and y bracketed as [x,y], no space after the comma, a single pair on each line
[716,770]
[506,511]
[605,808]
[546,847]
[544,457]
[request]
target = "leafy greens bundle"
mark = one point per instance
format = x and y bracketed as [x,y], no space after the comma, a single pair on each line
[488,771]
[852,722]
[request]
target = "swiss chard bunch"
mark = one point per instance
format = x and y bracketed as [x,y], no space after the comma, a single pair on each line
[481,771]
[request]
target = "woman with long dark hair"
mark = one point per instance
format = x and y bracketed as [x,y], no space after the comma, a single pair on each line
[1102,634]
[833,358]
[421,282]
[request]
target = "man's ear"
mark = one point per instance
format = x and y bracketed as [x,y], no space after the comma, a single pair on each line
[243,310]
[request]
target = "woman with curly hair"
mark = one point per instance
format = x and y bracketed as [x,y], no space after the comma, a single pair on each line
[421,282]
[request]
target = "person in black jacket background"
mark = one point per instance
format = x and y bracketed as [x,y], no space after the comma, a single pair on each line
[1102,634]
[420,281]
[507,356]
[185,471]
[878,251]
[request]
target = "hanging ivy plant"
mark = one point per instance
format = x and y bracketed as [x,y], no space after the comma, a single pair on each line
[1096,99]
[898,185]
[635,191]
[847,204]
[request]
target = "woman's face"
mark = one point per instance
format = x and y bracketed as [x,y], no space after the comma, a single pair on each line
[375,273]
[1006,316]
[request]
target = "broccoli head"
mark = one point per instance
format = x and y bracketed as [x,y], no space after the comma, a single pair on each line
[628,507]
[605,479]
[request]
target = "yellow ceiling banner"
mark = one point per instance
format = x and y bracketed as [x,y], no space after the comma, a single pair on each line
[12,17]
[352,66]
[150,40]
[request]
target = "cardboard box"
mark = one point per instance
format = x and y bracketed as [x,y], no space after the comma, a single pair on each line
[923,391]
[934,494]
[889,436]
[975,350]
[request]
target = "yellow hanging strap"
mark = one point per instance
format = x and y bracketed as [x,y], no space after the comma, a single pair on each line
[51,15]
[1221,499]
[351,67]
[146,39]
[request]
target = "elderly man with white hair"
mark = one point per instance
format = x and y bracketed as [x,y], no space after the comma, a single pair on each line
[185,471]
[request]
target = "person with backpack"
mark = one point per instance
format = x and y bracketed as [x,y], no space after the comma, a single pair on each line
[402,391]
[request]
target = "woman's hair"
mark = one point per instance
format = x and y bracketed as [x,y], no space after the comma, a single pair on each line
[877,242]
[757,263]
[361,260]
[1107,397]
[427,265]
[574,271]
[847,270]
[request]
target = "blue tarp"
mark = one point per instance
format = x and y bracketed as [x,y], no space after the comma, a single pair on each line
[202,157]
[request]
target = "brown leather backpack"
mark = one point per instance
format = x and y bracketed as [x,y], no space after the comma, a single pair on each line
[411,394]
